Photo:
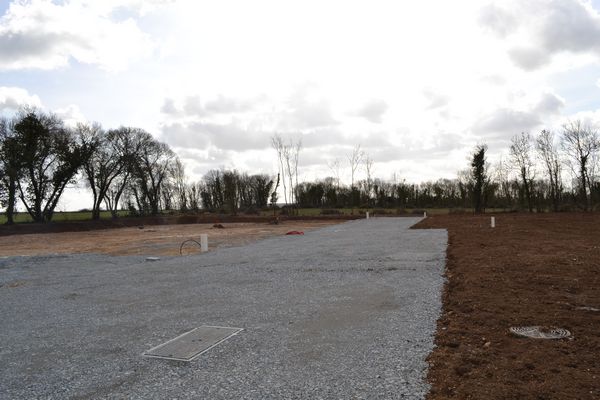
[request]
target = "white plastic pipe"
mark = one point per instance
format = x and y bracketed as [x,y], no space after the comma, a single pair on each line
[203,243]
[493,222]
[367,215]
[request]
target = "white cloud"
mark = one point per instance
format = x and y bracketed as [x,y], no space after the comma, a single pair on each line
[142,7]
[530,57]
[220,105]
[434,99]
[549,103]
[502,124]
[373,110]
[229,136]
[40,34]
[549,27]
[498,20]
[169,107]
[417,89]
[306,108]
[12,98]
[71,115]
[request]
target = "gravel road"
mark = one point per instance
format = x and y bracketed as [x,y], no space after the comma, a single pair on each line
[344,312]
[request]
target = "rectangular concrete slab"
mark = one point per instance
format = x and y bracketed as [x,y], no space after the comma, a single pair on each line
[191,344]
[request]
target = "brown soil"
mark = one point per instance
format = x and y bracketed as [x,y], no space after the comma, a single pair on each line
[206,218]
[148,239]
[539,269]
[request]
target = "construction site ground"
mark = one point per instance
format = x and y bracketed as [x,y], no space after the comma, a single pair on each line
[537,269]
[531,269]
[155,240]
[345,311]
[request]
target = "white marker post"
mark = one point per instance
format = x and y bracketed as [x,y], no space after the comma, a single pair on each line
[425,214]
[493,222]
[203,243]
[367,215]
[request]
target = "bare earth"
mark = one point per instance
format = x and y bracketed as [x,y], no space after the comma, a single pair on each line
[531,270]
[159,240]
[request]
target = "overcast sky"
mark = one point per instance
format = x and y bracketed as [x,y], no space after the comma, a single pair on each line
[416,84]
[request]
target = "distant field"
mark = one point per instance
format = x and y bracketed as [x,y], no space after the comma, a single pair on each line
[64,216]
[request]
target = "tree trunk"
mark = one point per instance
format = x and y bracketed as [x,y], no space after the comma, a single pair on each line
[584,184]
[10,207]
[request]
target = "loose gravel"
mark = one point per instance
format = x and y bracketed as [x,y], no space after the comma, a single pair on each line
[345,312]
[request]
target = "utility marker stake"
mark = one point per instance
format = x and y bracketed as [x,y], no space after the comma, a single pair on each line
[425,214]
[493,222]
[367,215]
[203,243]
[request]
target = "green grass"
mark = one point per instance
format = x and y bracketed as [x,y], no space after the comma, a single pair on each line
[63,216]
[312,212]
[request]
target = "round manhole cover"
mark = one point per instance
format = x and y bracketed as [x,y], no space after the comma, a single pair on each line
[540,332]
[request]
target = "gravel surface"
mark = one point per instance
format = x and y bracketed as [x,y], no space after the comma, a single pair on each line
[344,312]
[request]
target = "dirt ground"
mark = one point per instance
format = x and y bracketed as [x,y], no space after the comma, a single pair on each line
[530,270]
[151,240]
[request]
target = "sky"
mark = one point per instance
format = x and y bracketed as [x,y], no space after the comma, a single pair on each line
[416,84]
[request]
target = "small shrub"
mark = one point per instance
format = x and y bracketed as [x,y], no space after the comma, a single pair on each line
[331,211]
[252,211]
[380,211]
[288,210]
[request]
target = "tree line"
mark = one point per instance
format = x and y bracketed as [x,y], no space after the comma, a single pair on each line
[543,172]
[124,168]
[556,172]
[127,168]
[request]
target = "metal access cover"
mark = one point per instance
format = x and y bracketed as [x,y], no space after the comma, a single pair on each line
[191,344]
[540,332]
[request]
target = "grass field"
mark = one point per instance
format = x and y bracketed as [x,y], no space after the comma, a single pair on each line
[65,216]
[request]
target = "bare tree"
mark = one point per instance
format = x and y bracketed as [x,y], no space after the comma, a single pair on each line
[580,143]
[151,170]
[291,155]
[368,164]
[273,199]
[288,157]
[354,159]
[548,153]
[127,143]
[106,163]
[295,158]
[180,185]
[231,181]
[335,167]
[594,174]
[211,190]
[194,200]
[520,152]
[502,177]
[280,148]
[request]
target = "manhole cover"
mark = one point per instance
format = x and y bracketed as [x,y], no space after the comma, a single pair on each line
[191,344]
[540,332]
